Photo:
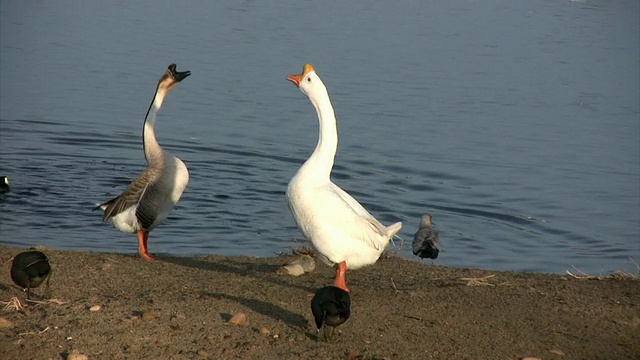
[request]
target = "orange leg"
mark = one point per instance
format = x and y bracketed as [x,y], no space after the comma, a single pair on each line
[143,236]
[341,281]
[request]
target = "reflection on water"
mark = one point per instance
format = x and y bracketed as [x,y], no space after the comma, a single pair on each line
[515,125]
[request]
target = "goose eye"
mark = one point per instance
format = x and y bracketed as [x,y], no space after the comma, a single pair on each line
[308,79]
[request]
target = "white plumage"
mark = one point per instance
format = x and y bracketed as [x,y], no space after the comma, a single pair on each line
[342,231]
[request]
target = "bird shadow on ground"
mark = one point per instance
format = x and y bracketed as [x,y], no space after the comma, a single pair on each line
[221,265]
[265,308]
[253,269]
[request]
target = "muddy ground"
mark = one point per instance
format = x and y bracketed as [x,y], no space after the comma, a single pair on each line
[119,306]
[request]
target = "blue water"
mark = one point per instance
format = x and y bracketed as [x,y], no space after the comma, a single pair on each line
[516,124]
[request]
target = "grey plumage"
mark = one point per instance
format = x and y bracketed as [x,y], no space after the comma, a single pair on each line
[141,191]
[426,241]
[149,198]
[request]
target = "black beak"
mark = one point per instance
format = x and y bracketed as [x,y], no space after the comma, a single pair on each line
[178,75]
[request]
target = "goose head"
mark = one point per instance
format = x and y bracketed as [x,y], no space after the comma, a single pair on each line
[171,78]
[308,82]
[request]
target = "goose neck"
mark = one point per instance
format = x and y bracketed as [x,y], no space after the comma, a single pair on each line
[152,150]
[324,154]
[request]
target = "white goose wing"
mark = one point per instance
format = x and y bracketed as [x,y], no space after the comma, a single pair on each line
[353,220]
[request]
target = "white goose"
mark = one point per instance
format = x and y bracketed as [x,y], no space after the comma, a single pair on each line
[342,231]
[149,198]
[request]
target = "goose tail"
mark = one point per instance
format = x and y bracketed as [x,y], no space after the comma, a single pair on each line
[99,206]
[392,230]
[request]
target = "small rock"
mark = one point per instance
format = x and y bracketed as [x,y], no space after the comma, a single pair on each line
[557,352]
[265,331]
[95,308]
[75,355]
[307,262]
[203,354]
[291,269]
[5,323]
[238,318]
[149,315]
[180,315]
[133,317]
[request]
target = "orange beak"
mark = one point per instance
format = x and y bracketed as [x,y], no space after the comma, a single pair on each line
[297,78]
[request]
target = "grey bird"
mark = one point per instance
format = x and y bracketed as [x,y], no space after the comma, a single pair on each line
[331,306]
[30,269]
[426,241]
[149,198]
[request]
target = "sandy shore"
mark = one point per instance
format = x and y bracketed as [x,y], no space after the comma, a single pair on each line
[118,306]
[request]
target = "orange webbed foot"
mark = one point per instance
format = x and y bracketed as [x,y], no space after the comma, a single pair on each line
[143,236]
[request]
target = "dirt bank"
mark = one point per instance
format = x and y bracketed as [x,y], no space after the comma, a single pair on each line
[179,308]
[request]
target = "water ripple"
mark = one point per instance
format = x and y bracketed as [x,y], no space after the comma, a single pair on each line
[502,141]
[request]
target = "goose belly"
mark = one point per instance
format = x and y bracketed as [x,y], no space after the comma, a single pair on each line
[171,185]
[174,183]
[334,248]
[319,219]
[180,179]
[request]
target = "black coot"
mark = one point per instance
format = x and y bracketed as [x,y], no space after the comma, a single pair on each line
[331,306]
[30,269]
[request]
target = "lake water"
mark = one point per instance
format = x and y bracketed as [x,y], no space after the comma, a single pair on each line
[516,124]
